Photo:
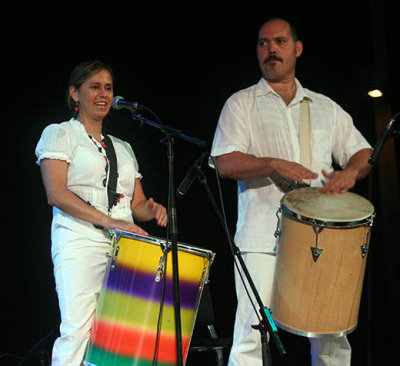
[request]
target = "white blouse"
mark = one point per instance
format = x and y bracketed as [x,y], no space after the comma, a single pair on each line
[257,121]
[87,176]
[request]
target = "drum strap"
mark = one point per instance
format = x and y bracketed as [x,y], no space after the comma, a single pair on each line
[285,184]
[113,174]
[305,135]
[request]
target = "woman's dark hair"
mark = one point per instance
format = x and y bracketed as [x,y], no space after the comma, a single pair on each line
[81,73]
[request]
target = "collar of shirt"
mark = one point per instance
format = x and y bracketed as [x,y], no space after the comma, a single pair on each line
[79,125]
[263,88]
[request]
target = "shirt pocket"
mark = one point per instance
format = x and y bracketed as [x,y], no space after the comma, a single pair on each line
[321,146]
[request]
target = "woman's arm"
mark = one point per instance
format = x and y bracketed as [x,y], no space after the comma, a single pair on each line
[144,209]
[54,175]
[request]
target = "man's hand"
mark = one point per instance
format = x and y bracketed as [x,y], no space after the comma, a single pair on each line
[291,170]
[340,181]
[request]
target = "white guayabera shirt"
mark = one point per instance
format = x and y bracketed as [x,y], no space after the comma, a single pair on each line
[257,121]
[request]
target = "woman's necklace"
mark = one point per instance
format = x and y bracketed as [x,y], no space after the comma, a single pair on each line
[102,150]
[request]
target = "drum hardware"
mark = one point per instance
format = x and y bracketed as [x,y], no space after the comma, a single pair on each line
[160,270]
[371,220]
[317,227]
[364,250]
[315,251]
[364,247]
[115,235]
[163,260]
[114,250]
[114,257]
[278,224]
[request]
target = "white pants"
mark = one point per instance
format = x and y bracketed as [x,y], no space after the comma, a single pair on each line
[79,268]
[246,348]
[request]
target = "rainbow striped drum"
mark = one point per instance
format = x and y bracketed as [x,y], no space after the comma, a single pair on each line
[126,323]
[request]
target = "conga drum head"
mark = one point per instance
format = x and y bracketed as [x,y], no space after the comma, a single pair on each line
[309,204]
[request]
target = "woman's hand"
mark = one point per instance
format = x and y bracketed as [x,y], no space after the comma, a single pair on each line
[158,211]
[124,225]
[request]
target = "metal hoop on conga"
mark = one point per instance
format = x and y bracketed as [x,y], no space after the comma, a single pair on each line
[127,327]
[321,259]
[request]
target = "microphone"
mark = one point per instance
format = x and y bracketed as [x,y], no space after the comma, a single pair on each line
[385,134]
[120,102]
[191,175]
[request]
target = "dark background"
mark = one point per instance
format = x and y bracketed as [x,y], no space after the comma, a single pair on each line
[182,60]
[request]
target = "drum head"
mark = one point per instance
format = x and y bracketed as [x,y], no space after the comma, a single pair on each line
[312,204]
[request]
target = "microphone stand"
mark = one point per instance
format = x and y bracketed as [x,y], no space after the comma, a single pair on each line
[168,140]
[266,324]
[387,132]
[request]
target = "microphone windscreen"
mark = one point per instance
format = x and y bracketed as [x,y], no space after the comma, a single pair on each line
[115,101]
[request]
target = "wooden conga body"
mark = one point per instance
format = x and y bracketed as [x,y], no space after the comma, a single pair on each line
[322,253]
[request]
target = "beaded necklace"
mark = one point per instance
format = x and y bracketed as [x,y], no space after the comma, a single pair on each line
[102,150]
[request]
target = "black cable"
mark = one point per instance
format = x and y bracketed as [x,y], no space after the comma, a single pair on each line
[32,352]
[153,114]
[160,313]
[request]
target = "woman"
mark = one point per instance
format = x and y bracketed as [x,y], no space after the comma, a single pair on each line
[75,166]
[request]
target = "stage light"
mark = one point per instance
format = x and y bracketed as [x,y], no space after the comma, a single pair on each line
[376,93]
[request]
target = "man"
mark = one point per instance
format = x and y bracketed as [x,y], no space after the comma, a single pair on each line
[257,144]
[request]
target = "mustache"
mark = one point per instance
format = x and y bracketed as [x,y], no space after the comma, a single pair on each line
[272,58]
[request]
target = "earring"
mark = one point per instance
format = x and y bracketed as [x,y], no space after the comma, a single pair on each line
[76,109]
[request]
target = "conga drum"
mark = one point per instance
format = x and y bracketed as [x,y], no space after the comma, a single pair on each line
[135,320]
[322,251]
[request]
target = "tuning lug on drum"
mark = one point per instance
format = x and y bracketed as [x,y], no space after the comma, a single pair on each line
[315,251]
